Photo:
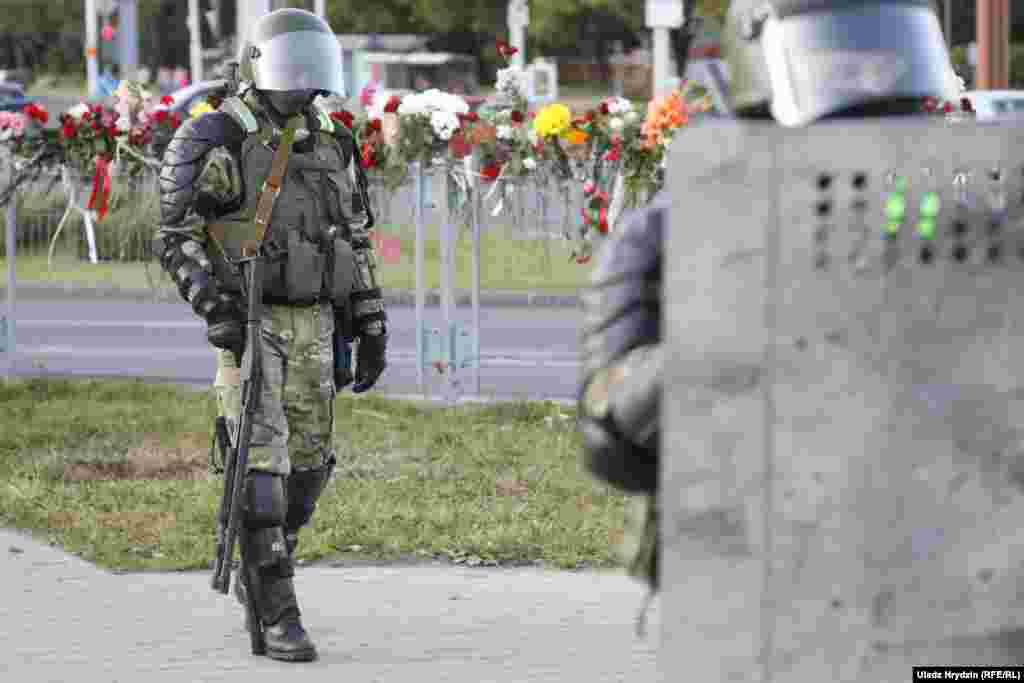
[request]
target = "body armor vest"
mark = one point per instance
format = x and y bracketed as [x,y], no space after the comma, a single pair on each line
[309,257]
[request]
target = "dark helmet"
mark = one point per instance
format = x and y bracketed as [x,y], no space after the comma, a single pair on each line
[290,56]
[807,59]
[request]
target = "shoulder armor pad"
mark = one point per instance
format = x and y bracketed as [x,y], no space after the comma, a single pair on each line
[636,248]
[240,112]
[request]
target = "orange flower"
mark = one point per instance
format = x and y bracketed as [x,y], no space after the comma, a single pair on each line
[483,133]
[576,136]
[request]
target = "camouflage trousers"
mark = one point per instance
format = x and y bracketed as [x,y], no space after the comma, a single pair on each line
[294,424]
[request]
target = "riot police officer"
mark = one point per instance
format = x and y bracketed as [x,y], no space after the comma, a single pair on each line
[319,287]
[796,61]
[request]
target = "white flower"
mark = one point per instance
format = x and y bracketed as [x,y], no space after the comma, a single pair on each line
[631,116]
[426,103]
[619,105]
[615,123]
[78,111]
[533,136]
[505,133]
[510,81]
[444,124]
[412,105]
[529,163]
[376,108]
[124,122]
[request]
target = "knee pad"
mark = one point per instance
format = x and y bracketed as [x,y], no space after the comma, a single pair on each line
[266,551]
[304,489]
[265,502]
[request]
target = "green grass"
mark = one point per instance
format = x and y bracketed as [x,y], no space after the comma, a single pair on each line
[483,484]
[506,264]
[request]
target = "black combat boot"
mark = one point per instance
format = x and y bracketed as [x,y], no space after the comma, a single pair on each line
[278,608]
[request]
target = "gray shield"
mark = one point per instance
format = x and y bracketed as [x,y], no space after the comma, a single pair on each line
[872,473]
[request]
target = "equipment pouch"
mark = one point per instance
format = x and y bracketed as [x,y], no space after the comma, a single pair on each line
[343,275]
[304,269]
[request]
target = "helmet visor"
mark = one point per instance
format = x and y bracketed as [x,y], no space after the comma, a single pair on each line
[823,62]
[299,60]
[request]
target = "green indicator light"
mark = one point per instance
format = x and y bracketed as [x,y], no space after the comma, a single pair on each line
[892,229]
[899,183]
[895,207]
[926,228]
[930,205]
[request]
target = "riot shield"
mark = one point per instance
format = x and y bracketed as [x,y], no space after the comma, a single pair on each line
[843,461]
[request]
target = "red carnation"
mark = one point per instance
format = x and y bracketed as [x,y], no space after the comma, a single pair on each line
[366,157]
[392,106]
[965,104]
[36,112]
[69,130]
[604,108]
[947,108]
[472,117]
[374,125]
[459,146]
[345,117]
[96,125]
[589,116]
[930,104]
[161,116]
[504,49]
[175,120]
[613,154]
[517,116]
[490,171]
[167,100]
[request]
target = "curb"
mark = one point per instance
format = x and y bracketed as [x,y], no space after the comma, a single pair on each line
[392,297]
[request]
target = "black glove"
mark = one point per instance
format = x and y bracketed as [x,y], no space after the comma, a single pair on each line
[370,361]
[226,330]
[225,319]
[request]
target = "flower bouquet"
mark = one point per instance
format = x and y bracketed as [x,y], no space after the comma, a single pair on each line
[376,134]
[614,130]
[426,123]
[503,144]
[29,148]
[557,141]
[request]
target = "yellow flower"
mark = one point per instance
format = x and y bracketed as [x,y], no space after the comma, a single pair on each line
[200,109]
[552,120]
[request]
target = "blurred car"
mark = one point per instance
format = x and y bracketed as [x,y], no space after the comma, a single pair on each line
[12,97]
[995,104]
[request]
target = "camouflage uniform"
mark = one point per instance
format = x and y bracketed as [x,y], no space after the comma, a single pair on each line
[319,285]
[295,424]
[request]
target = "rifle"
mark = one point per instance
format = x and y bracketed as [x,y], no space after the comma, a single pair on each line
[236,453]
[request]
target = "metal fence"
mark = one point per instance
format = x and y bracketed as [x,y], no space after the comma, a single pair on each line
[52,216]
[520,210]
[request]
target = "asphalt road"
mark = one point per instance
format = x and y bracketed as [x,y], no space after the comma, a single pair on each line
[526,353]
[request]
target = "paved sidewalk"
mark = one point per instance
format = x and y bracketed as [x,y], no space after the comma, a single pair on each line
[35,290]
[62,619]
